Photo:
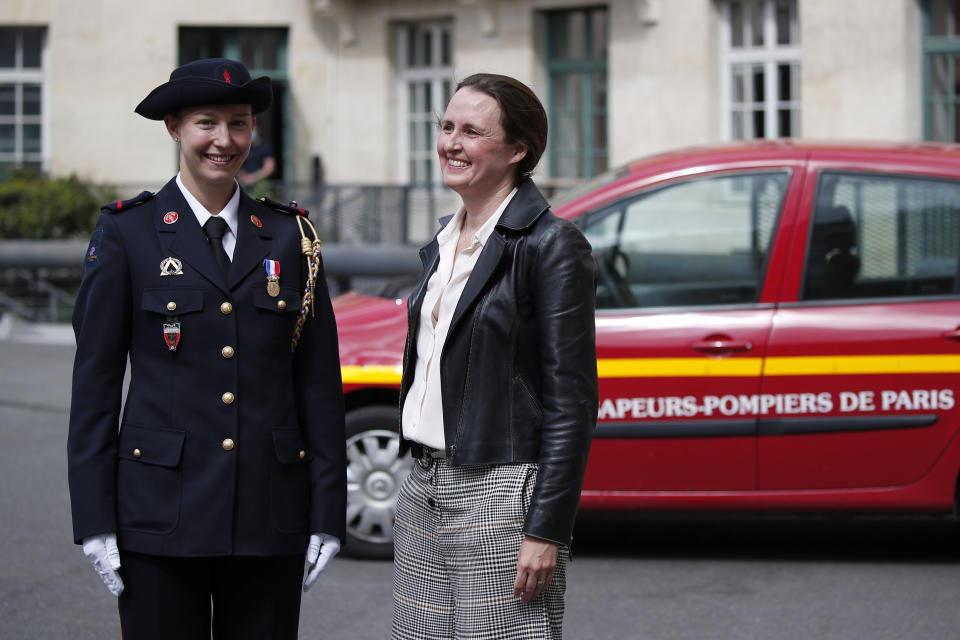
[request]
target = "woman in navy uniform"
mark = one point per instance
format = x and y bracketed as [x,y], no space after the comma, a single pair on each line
[227,464]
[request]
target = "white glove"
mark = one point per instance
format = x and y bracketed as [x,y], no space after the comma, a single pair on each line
[103,554]
[321,549]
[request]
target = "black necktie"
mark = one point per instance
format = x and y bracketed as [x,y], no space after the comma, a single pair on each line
[215,227]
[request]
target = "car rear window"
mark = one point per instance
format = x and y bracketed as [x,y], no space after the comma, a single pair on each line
[881,236]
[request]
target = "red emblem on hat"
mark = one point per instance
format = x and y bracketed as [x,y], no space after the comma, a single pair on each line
[226,75]
[170,217]
[255,220]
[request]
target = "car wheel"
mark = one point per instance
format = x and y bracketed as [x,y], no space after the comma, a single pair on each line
[375,471]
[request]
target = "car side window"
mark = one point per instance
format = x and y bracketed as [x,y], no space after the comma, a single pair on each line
[882,236]
[702,241]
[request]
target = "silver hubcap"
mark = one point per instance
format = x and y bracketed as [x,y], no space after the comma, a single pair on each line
[375,472]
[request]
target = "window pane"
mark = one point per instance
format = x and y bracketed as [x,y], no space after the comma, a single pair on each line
[757,11]
[445,58]
[759,124]
[785,17]
[32,48]
[941,110]
[883,236]
[938,17]
[413,56]
[415,144]
[8,104]
[7,138]
[197,43]
[736,25]
[739,84]
[31,138]
[31,99]
[784,123]
[598,35]
[427,48]
[737,125]
[447,92]
[785,82]
[758,84]
[701,242]
[940,73]
[941,113]
[8,48]
[568,34]
[273,42]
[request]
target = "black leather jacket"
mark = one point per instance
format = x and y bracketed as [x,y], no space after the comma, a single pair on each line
[518,367]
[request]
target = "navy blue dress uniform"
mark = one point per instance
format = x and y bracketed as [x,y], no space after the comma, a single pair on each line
[230,443]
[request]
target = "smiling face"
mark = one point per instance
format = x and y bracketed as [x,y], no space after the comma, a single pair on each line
[214,142]
[475,157]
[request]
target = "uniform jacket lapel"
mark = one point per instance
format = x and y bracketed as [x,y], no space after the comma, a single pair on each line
[184,237]
[253,242]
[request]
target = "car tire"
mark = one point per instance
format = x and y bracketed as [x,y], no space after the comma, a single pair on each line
[375,471]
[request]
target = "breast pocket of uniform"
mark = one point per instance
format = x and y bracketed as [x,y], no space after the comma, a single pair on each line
[276,316]
[172,304]
[286,302]
[289,481]
[172,301]
[149,482]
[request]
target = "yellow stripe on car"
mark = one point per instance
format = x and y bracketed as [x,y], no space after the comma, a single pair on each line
[720,368]
[850,365]
[371,374]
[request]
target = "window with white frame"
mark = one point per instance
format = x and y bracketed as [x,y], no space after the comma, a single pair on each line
[425,85]
[760,53]
[21,98]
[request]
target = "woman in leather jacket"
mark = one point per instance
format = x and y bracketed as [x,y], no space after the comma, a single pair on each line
[499,391]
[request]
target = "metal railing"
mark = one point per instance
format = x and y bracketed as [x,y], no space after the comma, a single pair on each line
[370,232]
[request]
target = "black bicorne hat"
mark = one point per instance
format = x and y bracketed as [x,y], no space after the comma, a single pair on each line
[208,81]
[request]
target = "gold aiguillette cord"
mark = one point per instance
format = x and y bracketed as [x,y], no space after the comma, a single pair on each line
[311,251]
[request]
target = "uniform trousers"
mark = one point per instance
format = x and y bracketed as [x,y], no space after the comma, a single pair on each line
[457,533]
[252,597]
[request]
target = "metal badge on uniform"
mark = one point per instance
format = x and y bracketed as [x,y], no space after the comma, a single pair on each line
[171,267]
[170,217]
[171,334]
[256,222]
[272,267]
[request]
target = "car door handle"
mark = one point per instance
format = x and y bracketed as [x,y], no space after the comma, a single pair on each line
[951,335]
[721,345]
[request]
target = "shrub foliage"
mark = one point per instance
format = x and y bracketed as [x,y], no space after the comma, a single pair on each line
[35,206]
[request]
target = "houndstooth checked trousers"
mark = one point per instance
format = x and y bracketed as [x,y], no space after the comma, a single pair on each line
[456,537]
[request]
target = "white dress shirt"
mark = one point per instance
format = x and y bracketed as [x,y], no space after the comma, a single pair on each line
[229,214]
[422,417]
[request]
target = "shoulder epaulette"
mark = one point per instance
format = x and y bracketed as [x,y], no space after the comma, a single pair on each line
[123,205]
[291,208]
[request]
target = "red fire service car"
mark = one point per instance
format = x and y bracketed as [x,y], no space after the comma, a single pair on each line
[778,328]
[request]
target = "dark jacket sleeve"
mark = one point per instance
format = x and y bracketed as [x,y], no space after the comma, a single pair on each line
[101,323]
[319,397]
[565,287]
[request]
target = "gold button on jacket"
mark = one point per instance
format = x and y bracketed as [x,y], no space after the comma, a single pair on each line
[226,308]
[137,453]
[171,306]
[227,398]
[227,352]
[227,444]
